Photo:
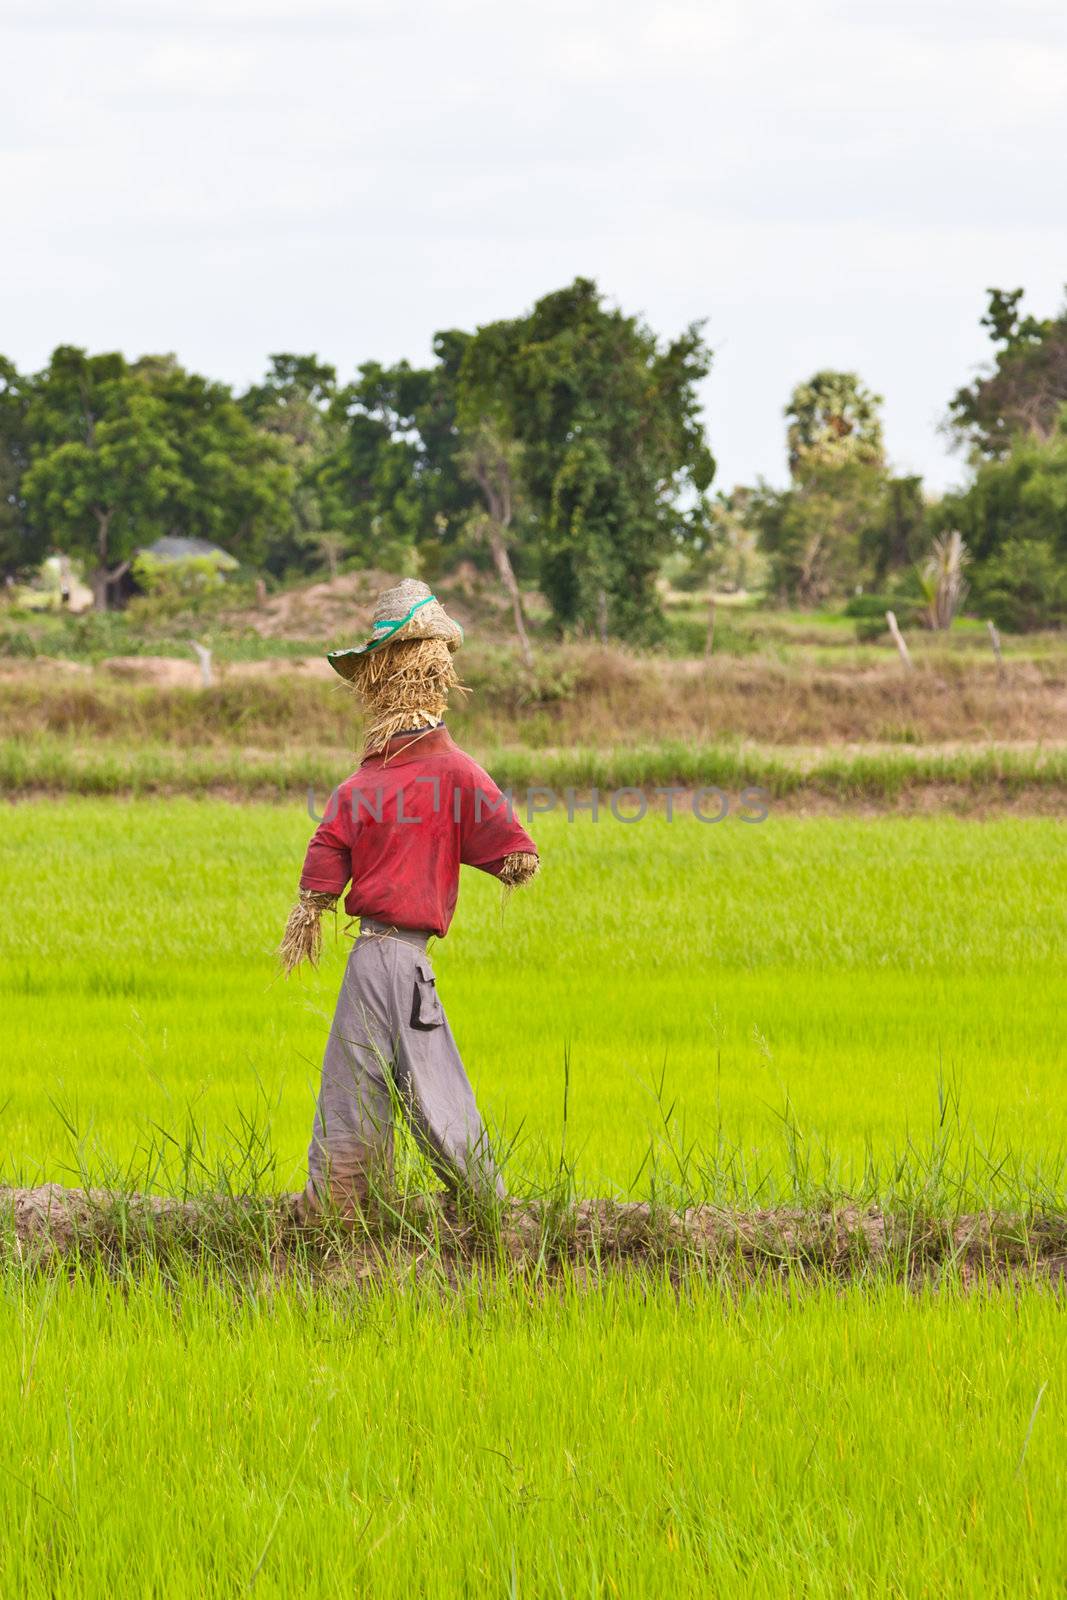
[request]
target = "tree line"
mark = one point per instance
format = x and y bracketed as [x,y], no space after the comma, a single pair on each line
[846,521]
[563,447]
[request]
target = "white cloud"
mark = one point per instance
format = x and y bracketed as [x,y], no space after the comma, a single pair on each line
[827,183]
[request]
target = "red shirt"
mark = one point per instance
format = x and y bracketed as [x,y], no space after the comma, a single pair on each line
[400,827]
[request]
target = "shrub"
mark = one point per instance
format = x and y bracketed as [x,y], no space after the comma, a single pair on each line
[868,611]
[1023,586]
[688,636]
[17,642]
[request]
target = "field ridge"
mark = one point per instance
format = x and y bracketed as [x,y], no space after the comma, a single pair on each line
[49,1223]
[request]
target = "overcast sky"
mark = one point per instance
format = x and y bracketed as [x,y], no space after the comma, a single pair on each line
[828,184]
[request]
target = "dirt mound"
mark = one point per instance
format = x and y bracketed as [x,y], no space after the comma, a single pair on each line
[339,610]
[165,672]
[30,666]
[278,666]
[330,610]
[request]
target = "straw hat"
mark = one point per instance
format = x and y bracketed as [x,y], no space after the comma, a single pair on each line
[410,611]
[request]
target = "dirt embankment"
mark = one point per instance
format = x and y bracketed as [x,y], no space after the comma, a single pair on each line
[47,1225]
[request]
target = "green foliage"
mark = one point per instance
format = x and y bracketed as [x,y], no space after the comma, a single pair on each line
[833,422]
[21,547]
[614,462]
[295,406]
[598,422]
[100,466]
[393,482]
[1025,391]
[18,643]
[892,538]
[830,529]
[173,587]
[1020,496]
[944,588]
[814,532]
[1023,586]
[119,454]
[234,486]
[869,612]
[729,555]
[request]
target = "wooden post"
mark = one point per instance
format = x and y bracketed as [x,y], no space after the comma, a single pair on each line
[602,615]
[203,655]
[995,640]
[898,638]
[709,643]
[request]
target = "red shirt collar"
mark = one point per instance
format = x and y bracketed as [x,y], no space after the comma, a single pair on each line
[428,741]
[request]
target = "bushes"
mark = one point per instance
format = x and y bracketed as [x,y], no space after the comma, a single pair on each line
[869,611]
[1023,586]
[17,642]
[688,636]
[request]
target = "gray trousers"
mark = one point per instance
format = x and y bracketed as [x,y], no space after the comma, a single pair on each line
[390,1049]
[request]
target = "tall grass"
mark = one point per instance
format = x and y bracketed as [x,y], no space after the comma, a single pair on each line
[800,1022]
[587,694]
[166,1437]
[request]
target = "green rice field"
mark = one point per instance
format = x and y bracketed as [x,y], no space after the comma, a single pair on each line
[171,1441]
[747,1013]
[821,991]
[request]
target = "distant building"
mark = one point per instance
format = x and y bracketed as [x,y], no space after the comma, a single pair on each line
[172,552]
[56,586]
[175,548]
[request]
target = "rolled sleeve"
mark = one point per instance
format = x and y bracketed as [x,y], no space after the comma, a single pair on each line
[490,832]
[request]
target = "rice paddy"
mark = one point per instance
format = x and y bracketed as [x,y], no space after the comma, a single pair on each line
[805,1010]
[836,978]
[166,1439]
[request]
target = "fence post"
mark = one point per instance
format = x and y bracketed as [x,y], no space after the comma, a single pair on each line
[898,638]
[709,643]
[203,655]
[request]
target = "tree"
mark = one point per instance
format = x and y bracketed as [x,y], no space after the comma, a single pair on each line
[815,531]
[19,546]
[833,422]
[393,482]
[101,469]
[490,461]
[736,547]
[891,540]
[234,485]
[1013,514]
[1023,586]
[119,454]
[1022,496]
[294,406]
[1025,390]
[614,462]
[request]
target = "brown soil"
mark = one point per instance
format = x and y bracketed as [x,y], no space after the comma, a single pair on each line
[48,1224]
[164,672]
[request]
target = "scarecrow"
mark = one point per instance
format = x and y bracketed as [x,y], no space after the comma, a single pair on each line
[395,833]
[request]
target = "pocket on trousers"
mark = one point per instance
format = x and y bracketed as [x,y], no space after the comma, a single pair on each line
[426,1009]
